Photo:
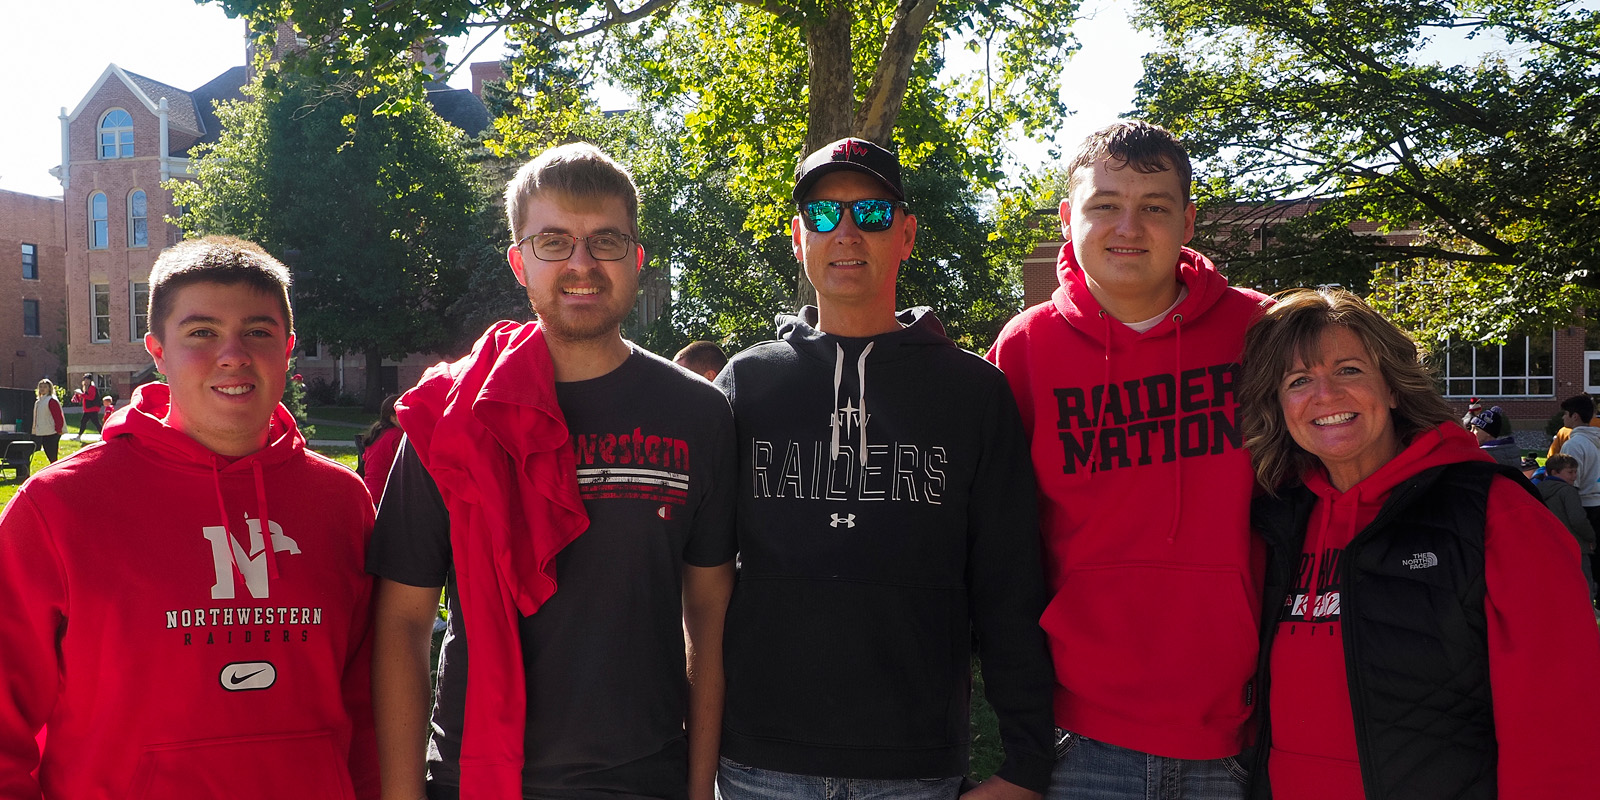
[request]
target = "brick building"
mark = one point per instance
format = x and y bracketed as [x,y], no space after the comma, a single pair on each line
[1527,376]
[126,136]
[32,288]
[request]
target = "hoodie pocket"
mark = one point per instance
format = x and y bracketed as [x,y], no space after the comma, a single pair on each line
[302,766]
[1155,644]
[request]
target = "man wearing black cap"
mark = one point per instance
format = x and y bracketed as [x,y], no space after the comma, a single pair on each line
[885,521]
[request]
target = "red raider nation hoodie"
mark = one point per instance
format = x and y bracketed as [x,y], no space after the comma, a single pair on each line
[171,653]
[1544,655]
[1144,500]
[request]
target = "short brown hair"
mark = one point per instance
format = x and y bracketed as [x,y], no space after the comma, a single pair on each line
[226,260]
[580,172]
[1559,462]
[1293,328]
[701,356]
[1145,147]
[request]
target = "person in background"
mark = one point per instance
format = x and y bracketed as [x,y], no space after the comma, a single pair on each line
[108,404]
[378,447]
[1577,413]
[1560,439]
[1561,497]
[1426,639]
[703,358]
[1494,436]
[48,420]
[87,397]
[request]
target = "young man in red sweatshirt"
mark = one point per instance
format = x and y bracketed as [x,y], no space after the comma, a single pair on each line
[572,495]
[1125,380]
[201,631]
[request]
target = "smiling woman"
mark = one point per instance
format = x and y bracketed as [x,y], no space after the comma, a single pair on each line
[1382,515]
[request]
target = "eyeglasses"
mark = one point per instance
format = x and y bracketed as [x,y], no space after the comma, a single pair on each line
[550,246]
[871,216]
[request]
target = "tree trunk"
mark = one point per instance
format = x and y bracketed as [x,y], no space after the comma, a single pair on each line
[373,397]
[832,96]
[886,95]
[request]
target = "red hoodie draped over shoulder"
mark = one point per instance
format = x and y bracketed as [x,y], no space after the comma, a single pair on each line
[489,432]
[1144,495]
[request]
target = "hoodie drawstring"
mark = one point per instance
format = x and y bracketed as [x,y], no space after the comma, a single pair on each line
[1313,585]
[861,400]
[1105,394]
[266,521]
[1177,465]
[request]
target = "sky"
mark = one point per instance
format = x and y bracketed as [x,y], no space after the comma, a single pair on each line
[182,44]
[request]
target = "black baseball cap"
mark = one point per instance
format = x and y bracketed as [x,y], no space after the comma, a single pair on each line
[856,155]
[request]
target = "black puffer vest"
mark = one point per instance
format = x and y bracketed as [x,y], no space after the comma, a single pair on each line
[1415,633]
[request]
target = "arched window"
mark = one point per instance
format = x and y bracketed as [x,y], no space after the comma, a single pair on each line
[116,134]
[97,221]
[138,229]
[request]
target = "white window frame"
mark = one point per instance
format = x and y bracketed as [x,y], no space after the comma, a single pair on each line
[1473,379]
[99,324]
[137,321]
[30,260]
[121,145]
[99,226]
[138,224]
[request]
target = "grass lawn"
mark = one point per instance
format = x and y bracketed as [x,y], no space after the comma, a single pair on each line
[9,486]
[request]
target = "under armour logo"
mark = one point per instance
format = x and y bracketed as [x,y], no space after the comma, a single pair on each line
[1421,561]
[848,520]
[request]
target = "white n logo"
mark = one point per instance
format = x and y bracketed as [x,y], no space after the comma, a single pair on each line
[252,565]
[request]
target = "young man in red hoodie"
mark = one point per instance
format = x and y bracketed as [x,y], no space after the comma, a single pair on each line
[202,631]
[558,451]
[1125,380]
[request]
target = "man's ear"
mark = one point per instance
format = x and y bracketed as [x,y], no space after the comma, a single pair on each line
[514,258]
[797,231]
[289,350]
[152,345]
[640,266]
[1066,219]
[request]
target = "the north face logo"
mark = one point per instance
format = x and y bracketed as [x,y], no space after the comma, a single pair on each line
[1421,561]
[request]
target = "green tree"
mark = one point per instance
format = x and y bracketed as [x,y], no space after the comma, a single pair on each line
[1495,162]
[761,80]
[373,213]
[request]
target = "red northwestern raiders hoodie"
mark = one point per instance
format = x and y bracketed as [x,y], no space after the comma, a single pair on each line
[1144,499]
[1544,655]
[166,648]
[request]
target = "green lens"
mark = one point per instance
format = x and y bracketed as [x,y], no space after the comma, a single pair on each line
[824,214]
[873,215]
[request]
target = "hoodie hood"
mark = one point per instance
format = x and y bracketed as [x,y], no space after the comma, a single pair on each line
[1445,444]
[1079,307]
[144,419]
[919,329]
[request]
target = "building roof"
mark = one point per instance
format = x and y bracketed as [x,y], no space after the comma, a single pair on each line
[181,113]
[459,107]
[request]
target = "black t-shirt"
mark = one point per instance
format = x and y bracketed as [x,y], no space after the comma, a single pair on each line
[604,656]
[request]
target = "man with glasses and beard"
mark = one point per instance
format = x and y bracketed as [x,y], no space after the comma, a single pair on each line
[885,520]
[558,452]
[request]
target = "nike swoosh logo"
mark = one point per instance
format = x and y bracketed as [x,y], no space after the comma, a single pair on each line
[238,679]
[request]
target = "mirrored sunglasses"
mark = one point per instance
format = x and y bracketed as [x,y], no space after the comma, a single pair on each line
[870,216]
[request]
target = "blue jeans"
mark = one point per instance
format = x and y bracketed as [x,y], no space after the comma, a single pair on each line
[1091,770]
[736,781]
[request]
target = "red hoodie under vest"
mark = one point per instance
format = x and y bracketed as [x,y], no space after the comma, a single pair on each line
[170,652]
[1544,653]
[1144,498]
